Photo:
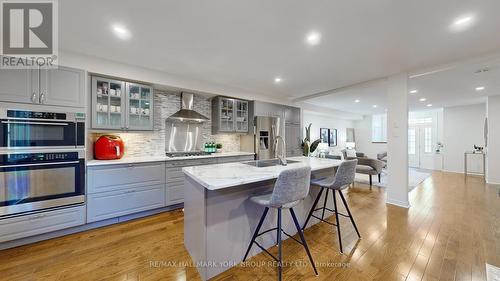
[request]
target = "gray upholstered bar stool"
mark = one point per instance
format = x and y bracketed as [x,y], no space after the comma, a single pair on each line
[341,180]
[290,188]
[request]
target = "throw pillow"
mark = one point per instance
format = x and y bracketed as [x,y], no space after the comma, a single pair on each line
[351,152]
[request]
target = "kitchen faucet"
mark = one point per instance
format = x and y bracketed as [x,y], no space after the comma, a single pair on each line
[282,156]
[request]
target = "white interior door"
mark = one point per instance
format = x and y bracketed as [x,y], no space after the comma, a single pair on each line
[420,146]
[413,156]
[426,147]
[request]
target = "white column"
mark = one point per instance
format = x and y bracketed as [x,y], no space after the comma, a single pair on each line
[493,150]
[397,140]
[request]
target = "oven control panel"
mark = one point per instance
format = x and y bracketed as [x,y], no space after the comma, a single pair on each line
[36,115]
[38,157]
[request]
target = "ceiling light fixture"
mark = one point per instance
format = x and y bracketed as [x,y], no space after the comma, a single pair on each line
[374,106]
[413,91]
[313,38]
[356,101]
[480,88]
[121,32]
[462,23]
[277,80]
[422,99]
[429,105]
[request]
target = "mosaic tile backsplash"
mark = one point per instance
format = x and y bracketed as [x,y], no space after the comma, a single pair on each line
[154,142]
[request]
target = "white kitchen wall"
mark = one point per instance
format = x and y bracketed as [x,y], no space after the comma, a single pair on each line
[463,126]
[152,143]
[363,137]
[320,120]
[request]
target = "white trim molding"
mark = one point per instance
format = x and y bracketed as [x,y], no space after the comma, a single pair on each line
[398,203]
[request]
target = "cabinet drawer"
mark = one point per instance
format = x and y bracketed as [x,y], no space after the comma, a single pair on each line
[175,195]
[112,204]
[109,178]
[30,225]
[174,173]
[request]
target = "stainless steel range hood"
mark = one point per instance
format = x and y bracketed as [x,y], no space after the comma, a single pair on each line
[187,114]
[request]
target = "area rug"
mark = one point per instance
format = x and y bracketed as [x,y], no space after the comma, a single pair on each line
[415,177]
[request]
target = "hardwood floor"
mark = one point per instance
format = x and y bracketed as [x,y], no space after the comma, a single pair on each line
[451,231]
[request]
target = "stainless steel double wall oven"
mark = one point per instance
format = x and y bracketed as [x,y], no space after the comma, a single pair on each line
[42,160]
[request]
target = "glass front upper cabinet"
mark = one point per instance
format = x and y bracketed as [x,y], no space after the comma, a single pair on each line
[229,115]
[226,115]
[108,103]
[241,116]
[119,105]
[140,101]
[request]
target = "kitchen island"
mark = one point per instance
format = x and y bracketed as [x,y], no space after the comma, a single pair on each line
[219,220]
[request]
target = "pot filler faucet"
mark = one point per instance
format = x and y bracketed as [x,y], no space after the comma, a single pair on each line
[282,156]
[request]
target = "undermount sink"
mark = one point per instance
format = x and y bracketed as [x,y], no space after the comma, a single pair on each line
[268,162]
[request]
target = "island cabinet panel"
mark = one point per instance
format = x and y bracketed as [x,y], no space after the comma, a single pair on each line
[112,204]
[118,190]
[30,225]
[118,177]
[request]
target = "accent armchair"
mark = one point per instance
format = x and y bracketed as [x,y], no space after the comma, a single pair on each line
[370,167]
[358,155]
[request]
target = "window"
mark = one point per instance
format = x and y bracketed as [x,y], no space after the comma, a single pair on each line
[412,141]
[379,128]
[428,140]
[417,121]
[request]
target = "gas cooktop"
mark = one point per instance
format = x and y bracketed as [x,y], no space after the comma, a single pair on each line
[187,153]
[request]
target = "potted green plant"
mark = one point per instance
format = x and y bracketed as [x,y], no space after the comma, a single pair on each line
[219,147]
[307,146]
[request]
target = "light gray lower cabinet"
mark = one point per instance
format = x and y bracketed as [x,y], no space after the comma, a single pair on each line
[106,205]
[175,176]
[30,225]
[119,190]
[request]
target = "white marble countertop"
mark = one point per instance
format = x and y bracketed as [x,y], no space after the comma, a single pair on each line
[219,176]
[145,159]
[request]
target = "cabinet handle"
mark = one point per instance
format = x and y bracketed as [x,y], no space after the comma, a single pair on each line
[33,98]
[42,97]
[130,165]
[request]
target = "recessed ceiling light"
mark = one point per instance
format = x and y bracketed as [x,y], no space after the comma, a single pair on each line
[313,38]
[462,23]
[413,91]
[277,80]
[429,105]
[480,88]
[356,101]
[121,32]
[374,106]
[422,99]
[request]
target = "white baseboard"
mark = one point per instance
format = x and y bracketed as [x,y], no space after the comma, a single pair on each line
[398,203]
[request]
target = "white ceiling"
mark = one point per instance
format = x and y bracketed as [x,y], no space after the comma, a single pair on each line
[450,87]
[245,44]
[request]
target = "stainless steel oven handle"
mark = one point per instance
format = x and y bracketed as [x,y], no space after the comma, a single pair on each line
[39,164]
[35,123]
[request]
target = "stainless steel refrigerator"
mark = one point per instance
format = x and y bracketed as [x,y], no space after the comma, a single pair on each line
[262,141]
